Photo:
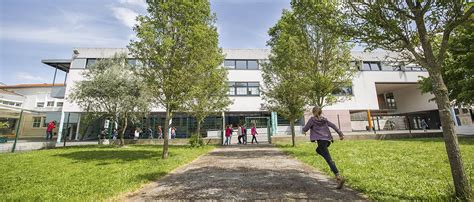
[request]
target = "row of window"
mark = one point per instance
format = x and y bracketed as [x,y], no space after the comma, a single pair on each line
[92,61]
[40,122]
[49,104]
[11,103]
[241,64]
[376,66]
[253,89]
[244,88]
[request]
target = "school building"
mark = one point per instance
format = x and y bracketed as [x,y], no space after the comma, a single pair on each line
[383,96]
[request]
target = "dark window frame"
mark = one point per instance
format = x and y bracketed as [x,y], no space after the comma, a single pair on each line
[235,66]
[234,86]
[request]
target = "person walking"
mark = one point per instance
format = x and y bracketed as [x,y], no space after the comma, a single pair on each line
[49,130]
[114,134]
[137,133]
[254,133]
[173,133]
[321,134]
[244,134]
[150,133]
[239,134]
[160,132]
[228,133]
[424,125]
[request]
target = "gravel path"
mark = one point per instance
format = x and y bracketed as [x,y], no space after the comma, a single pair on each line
[248,172]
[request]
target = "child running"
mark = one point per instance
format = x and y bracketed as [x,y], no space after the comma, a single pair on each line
[320,133]
[254,133]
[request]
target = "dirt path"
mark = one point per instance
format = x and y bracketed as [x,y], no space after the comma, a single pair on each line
[248,172]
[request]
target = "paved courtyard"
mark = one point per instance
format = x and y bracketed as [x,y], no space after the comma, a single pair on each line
[247,172]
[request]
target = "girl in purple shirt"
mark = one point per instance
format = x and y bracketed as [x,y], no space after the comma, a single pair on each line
[321,134]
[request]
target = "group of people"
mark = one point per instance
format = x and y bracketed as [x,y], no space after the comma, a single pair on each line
[241,134]
[159,131]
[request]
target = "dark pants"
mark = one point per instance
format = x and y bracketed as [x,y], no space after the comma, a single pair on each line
[254,138]
[244,138]
[239,138]
[49,135]
[322,150]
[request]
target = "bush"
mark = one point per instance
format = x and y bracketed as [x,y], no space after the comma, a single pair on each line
[196,141]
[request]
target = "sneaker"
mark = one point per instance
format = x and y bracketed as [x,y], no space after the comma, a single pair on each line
[340,182]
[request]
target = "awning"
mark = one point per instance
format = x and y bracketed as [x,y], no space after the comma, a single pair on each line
[61,64]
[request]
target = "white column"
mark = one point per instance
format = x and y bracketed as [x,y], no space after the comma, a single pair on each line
[453,115]
[78,125]
[60,130]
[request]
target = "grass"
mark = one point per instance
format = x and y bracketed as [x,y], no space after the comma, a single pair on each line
[86,173]
[410,169]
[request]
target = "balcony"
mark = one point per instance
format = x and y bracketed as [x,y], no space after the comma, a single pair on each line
[58,92]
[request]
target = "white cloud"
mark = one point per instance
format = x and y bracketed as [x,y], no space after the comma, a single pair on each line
[62,36]
[26,77]
[125,15]
[140,3]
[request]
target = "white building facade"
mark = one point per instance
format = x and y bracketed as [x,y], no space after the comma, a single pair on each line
[383,95]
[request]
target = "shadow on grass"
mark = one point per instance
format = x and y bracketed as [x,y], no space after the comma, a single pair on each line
[462,140]
[119,155]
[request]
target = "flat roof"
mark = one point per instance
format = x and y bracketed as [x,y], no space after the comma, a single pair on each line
[61,64]
[34,85]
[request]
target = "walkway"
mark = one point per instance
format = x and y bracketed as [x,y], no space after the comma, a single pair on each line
[248,172]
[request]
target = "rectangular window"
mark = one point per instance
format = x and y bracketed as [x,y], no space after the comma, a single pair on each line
[253,88]
[231,88]
[45,124]
[241,64]
[230,64]
[241,88]
[252,64]
[40,104]
[132,62]
[371,66]
[343,91]
[36,122]
[18,104]
[59,104]
[244,88]
[390,100]
[90,62]
[50,104]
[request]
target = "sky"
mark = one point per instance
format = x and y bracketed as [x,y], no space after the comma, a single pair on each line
[32,30]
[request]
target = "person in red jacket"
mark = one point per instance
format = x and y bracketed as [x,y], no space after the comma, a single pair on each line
[228,133]
[253,131]
[49,130]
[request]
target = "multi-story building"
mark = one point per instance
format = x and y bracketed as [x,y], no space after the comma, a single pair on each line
[383,95]
[37,107]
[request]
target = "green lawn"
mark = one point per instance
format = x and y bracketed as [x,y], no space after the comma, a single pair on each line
[392,169]
[86,173]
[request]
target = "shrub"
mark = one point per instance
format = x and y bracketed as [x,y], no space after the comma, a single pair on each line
[196,141]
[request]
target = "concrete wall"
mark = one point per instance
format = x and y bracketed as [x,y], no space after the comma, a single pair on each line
[410,99]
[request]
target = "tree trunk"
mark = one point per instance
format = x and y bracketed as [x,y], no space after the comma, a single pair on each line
[292,125]
[125,124]
[199,130]
[461,183]
[166,132]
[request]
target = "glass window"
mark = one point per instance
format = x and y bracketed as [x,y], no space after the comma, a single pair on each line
[50,104]
[59,104]
[375,66]
[18,104]
[241,88]
[229,64]
[241,64]
[132,62]
[90,62]
[36,122]
[254,88]
[40,104]
[231,88]
[252,64]
[45,124]
[366,66]
[343,91]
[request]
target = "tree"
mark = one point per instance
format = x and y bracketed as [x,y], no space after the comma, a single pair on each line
[411,27]
[309,63]
[209,94]
[458,72]
[329,56]
[173,40]
[111,88]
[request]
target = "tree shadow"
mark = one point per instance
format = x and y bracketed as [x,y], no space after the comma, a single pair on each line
[244,183]
[117,155]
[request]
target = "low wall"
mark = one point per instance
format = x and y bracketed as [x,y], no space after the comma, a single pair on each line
[179,141]
[302,138]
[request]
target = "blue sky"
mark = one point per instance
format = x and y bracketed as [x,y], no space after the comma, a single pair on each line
[31,30]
